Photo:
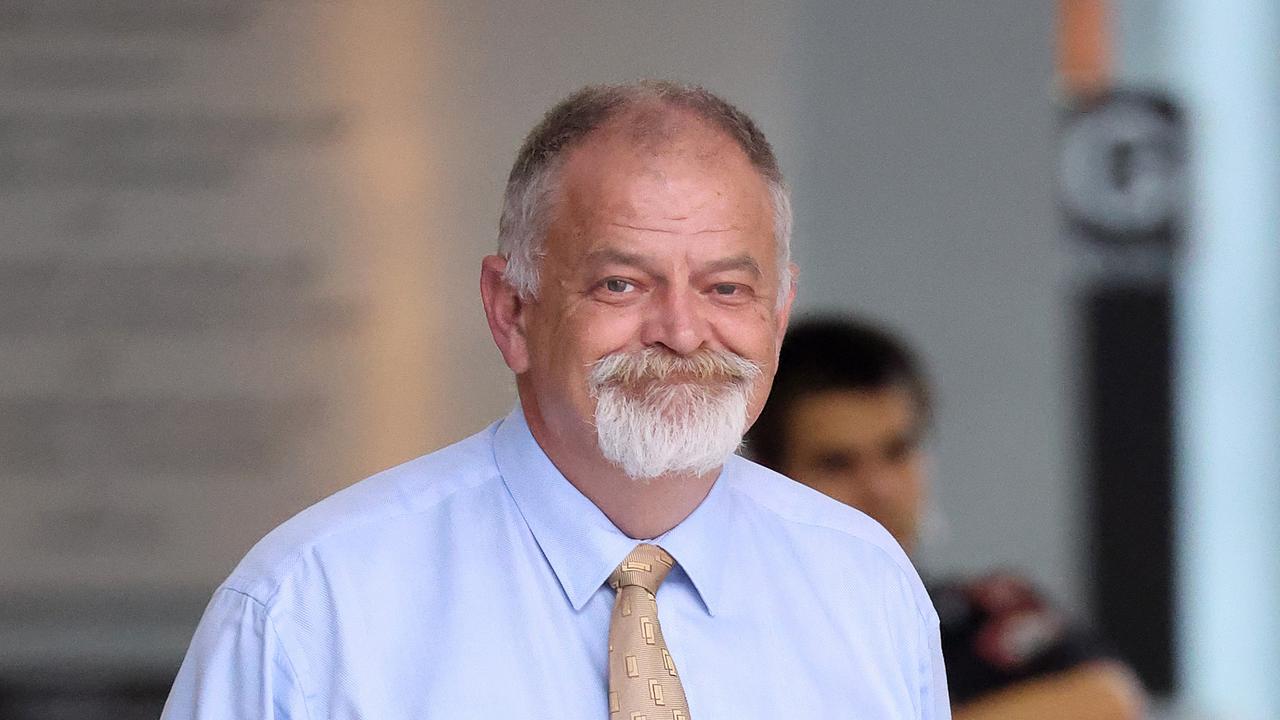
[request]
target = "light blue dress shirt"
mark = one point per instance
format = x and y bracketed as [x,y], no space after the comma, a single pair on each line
[470,583]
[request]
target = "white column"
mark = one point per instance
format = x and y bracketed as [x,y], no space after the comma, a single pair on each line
[1225,55]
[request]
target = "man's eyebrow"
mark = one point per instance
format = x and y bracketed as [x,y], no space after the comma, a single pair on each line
[612,256]
[737,262]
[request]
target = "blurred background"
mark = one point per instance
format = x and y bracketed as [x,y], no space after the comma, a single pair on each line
[239,252]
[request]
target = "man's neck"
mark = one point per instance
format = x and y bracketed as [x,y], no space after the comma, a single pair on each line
[641,509]
[645,509]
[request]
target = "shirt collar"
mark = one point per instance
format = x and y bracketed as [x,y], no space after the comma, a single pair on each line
[581,544]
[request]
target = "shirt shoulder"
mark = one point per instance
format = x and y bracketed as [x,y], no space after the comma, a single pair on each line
[801,505]
[418,487]
[817,519]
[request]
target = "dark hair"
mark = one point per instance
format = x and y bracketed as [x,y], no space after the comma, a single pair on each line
[829,353]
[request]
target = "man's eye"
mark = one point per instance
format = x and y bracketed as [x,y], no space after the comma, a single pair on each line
[727,289]
[618,285]
[898,451]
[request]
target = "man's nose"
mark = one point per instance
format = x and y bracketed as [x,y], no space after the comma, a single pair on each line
[880,480]
[676,321]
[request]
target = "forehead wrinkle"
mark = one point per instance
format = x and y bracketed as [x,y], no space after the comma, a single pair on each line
[665,231]
[604,256]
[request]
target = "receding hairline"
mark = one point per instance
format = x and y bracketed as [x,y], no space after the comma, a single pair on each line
[650,136]
[652,111]
[655,128]
[654,125]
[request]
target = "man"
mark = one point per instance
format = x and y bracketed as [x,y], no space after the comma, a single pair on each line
[847,417]
[599,553]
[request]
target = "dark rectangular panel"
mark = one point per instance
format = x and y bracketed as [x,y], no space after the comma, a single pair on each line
[1128,349]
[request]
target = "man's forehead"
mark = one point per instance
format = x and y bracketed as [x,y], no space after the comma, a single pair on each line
[694,170]
[876,407]
[659,246]
[678,192]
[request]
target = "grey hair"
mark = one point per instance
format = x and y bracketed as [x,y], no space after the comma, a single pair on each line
[533,183]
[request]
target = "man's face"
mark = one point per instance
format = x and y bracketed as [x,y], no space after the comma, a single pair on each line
[663,246]
[862,448]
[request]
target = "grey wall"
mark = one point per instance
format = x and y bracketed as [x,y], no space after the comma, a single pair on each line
[924,194]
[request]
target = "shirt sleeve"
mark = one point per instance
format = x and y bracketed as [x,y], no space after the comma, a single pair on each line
[236,667]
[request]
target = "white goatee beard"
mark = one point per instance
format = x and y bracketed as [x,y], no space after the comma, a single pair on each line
[659,413]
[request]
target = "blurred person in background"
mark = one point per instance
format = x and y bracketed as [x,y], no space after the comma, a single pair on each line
[848,416]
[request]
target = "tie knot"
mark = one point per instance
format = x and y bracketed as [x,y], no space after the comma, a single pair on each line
[646,566]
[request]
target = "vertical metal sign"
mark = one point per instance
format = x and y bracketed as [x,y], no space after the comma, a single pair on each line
[1121,192]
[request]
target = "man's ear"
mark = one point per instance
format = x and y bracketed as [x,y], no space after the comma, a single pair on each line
[784,312]
[505,312]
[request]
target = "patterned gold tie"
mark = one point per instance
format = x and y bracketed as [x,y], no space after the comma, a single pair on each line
[643,684]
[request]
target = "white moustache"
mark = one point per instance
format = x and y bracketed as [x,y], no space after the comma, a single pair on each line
[655,364]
